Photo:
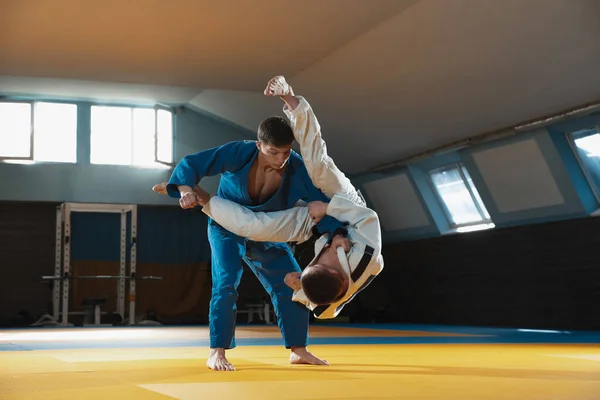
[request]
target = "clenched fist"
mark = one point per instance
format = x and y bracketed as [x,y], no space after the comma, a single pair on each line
[189,200]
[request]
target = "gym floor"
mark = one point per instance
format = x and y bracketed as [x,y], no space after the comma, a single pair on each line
[367,362]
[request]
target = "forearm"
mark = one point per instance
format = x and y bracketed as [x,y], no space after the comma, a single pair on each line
[183,178]
[193,167]
[292,225]
[291,101]
[364,220]
[307,130]
[184,189]
[321,169]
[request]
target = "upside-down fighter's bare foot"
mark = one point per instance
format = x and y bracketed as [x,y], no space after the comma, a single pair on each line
[204,196]
[278,86]
[217,361]
[160,188]
[300,355]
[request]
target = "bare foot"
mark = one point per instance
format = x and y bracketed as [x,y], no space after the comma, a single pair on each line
[300,355]
[277,86]
[160,188]
[217,361]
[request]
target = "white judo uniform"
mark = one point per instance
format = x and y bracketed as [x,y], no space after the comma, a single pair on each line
[364,260]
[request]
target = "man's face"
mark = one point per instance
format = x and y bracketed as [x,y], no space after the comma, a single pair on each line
[328,258]
[275,157]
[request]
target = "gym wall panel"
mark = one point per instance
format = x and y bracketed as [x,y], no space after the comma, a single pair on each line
[397,203]
[165,235]
[26,254]
[541,276]
[170,235]
[85,182]
[97,236]
[518,176]
[523,180]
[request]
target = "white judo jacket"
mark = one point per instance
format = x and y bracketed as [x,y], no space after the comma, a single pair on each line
[364,260]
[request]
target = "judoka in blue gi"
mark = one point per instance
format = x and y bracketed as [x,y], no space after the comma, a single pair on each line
[345,263]
[262,175]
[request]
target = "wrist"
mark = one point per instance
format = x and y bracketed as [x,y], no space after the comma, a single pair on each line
[183,189]
[204,200]
[291,101]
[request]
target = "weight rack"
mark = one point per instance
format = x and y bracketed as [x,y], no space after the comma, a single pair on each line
[61,284]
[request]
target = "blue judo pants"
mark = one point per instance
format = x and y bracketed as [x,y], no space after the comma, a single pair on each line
[270,262]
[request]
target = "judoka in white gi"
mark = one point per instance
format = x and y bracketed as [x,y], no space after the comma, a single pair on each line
[345,262]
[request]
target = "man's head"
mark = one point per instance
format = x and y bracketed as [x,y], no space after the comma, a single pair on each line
[275,139]
[323,284]
[325,281]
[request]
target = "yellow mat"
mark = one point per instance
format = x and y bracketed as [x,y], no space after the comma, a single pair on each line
[271,331]
[24,336]
[463,372]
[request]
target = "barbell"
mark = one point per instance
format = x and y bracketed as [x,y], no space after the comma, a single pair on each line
[59,278]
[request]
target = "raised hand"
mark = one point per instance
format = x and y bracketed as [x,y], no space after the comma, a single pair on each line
[278,86]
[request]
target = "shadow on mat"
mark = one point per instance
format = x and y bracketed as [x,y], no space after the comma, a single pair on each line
[437,370]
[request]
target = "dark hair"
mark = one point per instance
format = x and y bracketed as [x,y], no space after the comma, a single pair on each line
[321,286]
[276,131]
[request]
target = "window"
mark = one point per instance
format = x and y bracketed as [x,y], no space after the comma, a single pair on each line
[459,196]
[587,147]
[38,131]
[131,136]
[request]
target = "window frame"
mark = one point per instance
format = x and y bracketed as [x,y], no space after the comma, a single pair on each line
[582,166]
[33,104]
[155,108]
[31,130]
[158,107]
[458,166]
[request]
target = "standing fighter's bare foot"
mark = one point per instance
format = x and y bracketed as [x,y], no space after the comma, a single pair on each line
[278,86]
[300,355]
[218,362]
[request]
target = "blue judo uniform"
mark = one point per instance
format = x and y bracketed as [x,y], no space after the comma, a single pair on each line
[270,262]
